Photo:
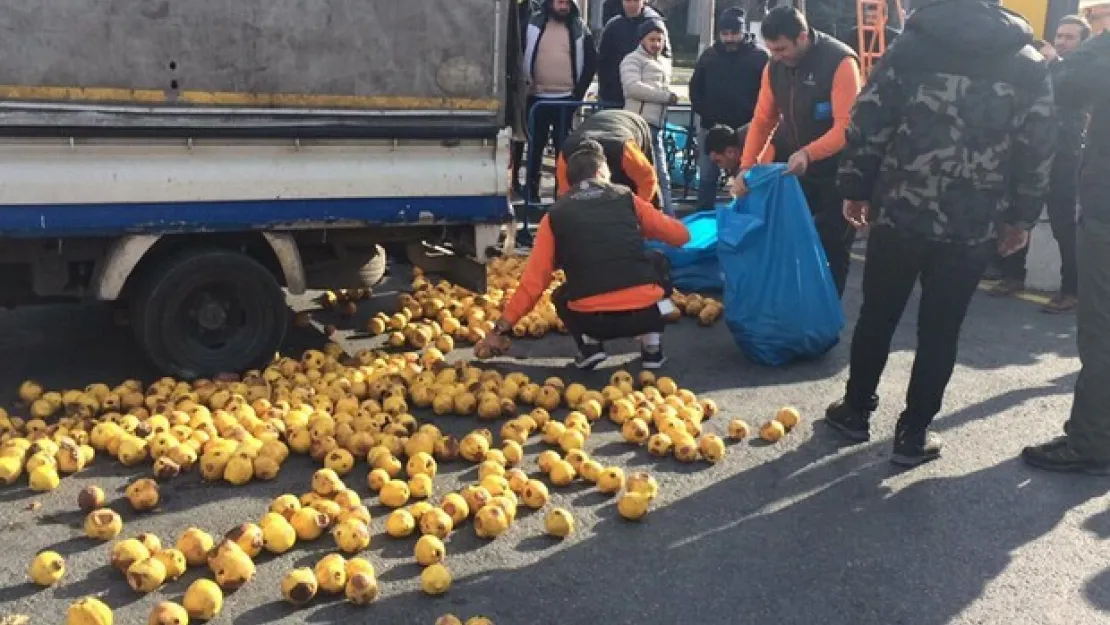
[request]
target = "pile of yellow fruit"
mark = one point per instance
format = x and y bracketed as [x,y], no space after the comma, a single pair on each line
[340,410]
[440,314]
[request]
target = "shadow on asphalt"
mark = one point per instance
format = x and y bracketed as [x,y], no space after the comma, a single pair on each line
[1097,590]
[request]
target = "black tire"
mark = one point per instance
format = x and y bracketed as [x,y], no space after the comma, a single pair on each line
[235,296]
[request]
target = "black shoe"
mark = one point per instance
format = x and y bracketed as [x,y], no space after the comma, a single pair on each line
[590,356]
[853,424]
[1059,456]
[911,449]
[652,359]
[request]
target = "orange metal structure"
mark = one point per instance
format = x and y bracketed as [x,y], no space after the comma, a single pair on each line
[871,19]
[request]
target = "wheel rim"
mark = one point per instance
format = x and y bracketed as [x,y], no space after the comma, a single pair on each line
[213,319]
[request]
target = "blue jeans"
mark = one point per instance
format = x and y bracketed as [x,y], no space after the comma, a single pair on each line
[709,176]
[662,170]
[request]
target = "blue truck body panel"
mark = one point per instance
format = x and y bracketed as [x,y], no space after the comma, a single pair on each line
[113,219]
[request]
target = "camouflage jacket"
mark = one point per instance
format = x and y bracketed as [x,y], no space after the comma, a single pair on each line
[955,131]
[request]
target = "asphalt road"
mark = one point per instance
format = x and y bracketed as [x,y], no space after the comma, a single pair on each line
[805,531]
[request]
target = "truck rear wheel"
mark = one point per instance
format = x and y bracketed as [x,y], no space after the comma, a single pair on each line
[211,311]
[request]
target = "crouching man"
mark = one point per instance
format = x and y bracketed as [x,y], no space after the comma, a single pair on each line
[614,288]
[724,146]
[625,138]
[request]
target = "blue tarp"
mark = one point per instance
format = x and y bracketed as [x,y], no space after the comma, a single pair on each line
[780,301]
[694,266]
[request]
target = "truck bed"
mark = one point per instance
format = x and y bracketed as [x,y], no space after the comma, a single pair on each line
[307,64]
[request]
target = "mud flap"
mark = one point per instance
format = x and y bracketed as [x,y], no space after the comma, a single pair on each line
[459,270]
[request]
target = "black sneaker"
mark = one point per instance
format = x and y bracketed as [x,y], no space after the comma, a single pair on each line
[590,356]
[853,424]
[1057,455]
[912,450]
[652,359]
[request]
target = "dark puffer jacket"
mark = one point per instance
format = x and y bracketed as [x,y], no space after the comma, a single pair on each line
[725,84]
[955,131]
[1081,81]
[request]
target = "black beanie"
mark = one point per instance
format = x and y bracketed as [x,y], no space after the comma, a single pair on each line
[651,25]
[731,20]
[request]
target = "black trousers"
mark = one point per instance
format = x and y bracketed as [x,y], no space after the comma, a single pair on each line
[1062,202]
[604,326]
[949,274]
[551,123]
[836,234]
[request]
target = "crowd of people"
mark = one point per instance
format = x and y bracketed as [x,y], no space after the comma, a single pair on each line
[949,153]
[631,61]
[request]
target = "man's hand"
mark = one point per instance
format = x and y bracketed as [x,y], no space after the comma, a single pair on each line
[739,188]
[673,98]
[493,345]
[798,163]
[1012,239]
[857,213]
[1049,52]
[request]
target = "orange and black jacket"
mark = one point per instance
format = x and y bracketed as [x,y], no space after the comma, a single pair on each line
[654,225]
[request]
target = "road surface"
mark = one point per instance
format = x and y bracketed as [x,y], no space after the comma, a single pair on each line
[802,532]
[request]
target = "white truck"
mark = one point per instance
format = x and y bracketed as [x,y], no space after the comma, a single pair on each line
[195,160]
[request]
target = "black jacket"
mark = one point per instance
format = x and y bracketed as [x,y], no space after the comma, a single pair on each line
[583,50]
[613,129]
[620,37]
[955,130]
[611,9]
[725,85]
[1081,82]
[598,241]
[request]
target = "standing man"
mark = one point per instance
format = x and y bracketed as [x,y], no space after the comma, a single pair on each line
[560,62]
[620,37]
[1085,447]
[646,80]
[807,92]
[724,90]
[948,156]
[1072,31]
[626,140]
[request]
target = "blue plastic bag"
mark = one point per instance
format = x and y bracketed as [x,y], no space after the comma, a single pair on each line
[694,266]
[780,301]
